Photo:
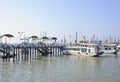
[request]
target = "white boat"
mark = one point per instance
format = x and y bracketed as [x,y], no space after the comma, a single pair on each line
[84,49]
[109,48]
[118,49]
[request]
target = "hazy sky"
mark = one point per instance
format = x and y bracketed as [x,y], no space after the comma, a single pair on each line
[60,17]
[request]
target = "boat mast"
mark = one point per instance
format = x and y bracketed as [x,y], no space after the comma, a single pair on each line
[76,38]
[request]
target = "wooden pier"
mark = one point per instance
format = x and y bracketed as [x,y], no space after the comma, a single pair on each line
[23,53]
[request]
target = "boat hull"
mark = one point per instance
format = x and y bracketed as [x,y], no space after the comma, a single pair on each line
[83,54]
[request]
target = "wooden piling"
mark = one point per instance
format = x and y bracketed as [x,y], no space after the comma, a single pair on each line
[30,52]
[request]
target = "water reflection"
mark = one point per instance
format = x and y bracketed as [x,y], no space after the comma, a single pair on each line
[86,60]
[62,69]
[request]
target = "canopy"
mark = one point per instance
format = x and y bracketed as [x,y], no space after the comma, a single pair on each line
[54,38]
[44,37]
[34,36]
[7,35]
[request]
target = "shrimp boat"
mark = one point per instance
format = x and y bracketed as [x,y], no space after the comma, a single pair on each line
[84,49]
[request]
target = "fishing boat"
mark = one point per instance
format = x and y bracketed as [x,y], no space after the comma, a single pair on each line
[84,49]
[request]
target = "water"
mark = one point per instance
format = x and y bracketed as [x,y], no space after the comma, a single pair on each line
[63,69]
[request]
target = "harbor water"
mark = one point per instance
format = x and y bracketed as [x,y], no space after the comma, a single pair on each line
[62,68]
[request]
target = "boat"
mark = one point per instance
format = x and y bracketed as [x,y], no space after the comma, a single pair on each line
[118,49]
[109,48]
[84,49]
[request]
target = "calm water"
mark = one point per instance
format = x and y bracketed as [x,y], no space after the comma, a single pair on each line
[63,69]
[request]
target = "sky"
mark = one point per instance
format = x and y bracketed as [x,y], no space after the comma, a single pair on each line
[60,18]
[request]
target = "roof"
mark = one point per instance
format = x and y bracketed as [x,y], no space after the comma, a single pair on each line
[109,45]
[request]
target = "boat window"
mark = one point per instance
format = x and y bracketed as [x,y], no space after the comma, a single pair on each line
[91,46]
[88,46]
[106,48]
[89,50]
[109,48]
[83,50]
[77,49]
